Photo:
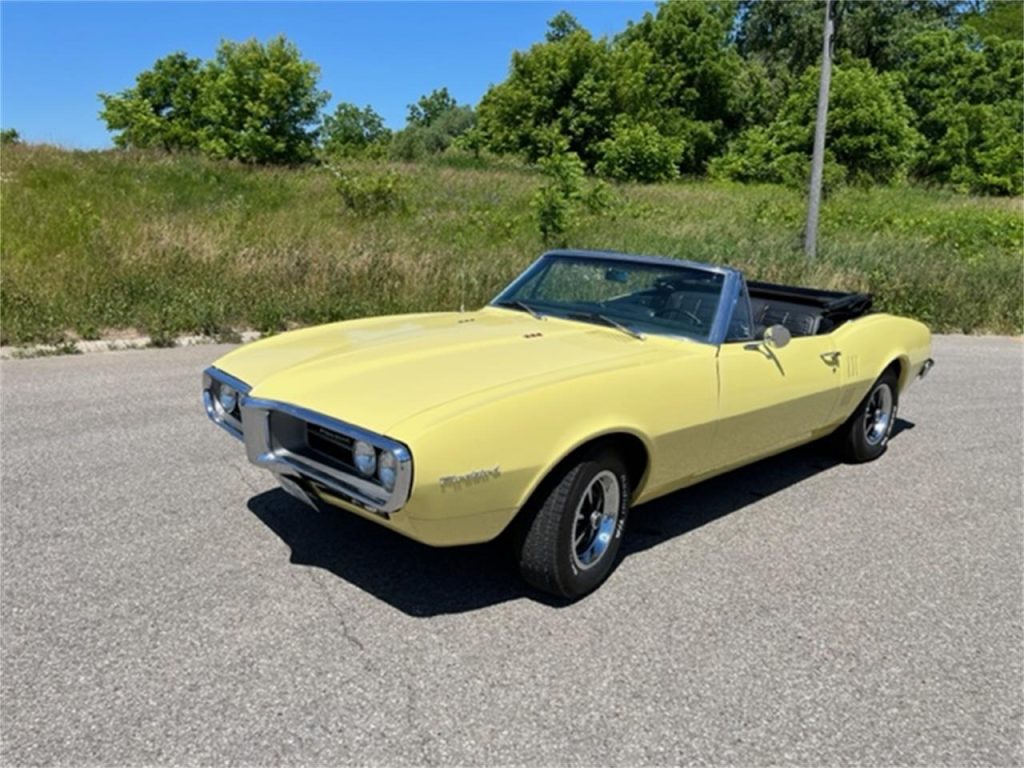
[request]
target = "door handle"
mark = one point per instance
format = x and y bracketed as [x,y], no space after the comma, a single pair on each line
[831,358]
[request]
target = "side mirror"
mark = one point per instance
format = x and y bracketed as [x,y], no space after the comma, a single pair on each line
[777,336]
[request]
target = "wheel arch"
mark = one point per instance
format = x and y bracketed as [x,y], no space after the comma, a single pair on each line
[901,365]
[882,342]
[631,446]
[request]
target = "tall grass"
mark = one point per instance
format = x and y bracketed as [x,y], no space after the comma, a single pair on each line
[91,241]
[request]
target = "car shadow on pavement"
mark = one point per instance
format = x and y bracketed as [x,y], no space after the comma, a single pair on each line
[424,581]
[688,509]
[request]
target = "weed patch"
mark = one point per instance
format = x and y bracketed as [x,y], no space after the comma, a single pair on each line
[176,244]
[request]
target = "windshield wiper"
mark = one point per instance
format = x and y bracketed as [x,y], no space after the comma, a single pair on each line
[522,305]
[596,317]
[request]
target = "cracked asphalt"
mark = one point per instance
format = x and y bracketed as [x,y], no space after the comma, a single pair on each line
[163,604]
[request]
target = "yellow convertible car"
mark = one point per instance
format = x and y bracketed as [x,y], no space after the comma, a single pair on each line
[594,382]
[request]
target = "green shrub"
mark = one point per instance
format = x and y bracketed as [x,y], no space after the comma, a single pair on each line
[638,152]
[599,197]
[748,157]
[756,156]
[371,193]
[557,200]
[419,140]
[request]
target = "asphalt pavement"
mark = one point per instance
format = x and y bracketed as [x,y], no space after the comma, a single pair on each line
[164,604]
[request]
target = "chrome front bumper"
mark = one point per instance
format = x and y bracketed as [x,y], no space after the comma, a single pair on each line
[296,468]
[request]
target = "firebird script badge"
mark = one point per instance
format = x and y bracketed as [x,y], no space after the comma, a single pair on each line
[476,476]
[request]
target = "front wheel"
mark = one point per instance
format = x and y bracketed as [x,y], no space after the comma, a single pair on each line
[572,540]
[865,435]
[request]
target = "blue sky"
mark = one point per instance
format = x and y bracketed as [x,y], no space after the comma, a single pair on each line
[56,57]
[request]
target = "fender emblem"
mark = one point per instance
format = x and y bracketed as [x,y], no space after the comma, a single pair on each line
[476,476]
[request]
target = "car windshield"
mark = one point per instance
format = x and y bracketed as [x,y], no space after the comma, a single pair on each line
[637,297]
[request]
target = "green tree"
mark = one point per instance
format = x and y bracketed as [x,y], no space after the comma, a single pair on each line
[967,98]
[675,71]
[1002,19]
[434,123]
[562,25]
[693,66]
[350,131]
[870,132]
[786,36]
[9,136]
[253,102]
[260,103]
[161,110]
[556,91]
[430,108]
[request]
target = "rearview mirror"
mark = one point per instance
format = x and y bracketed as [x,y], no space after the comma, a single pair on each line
[777,336]
[617,275]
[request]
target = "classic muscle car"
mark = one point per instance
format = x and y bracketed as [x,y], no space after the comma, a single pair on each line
[596,381]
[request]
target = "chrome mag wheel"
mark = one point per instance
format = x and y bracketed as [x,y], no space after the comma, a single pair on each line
[595,519]
[878,413]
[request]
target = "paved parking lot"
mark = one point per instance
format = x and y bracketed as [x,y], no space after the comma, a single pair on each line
[163,603]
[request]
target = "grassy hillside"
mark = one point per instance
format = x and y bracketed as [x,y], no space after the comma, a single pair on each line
[97,241]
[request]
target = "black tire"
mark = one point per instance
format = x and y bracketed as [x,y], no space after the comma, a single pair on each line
[566,550]
[865,435]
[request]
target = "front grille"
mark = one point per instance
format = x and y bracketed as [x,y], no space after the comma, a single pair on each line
[312,441]
[295,442]
[330,444]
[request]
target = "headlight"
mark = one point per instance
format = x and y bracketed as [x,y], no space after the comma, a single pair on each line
[365,457]
[227,397]
[387,469]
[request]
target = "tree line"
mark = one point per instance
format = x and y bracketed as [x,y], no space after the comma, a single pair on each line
[927,90]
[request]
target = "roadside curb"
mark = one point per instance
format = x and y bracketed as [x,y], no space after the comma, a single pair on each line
[113,345]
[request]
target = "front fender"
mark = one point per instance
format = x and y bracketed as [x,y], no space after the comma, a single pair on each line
[474,458]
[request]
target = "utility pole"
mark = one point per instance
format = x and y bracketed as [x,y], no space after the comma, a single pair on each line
[818,158]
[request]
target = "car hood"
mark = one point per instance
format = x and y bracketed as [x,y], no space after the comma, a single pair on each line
[379,372]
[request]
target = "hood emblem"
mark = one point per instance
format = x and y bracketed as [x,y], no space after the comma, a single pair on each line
[470,478]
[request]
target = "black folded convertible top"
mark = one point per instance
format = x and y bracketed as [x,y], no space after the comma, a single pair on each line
[835,305]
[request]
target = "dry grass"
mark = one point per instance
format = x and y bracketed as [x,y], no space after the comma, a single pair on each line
[98,240]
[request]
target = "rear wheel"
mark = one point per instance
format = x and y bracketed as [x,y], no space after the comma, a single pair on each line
[865,435]
[572,540]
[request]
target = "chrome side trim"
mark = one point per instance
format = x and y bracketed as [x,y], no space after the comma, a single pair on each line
[216,377]
[256,414]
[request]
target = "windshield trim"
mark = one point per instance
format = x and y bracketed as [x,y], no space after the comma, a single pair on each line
[731,285]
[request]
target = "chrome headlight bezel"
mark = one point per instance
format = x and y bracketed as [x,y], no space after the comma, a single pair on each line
[214,382]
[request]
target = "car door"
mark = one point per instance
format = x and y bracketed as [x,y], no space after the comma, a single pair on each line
[771,398]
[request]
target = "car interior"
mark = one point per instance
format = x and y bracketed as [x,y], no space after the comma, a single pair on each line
[803,311]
